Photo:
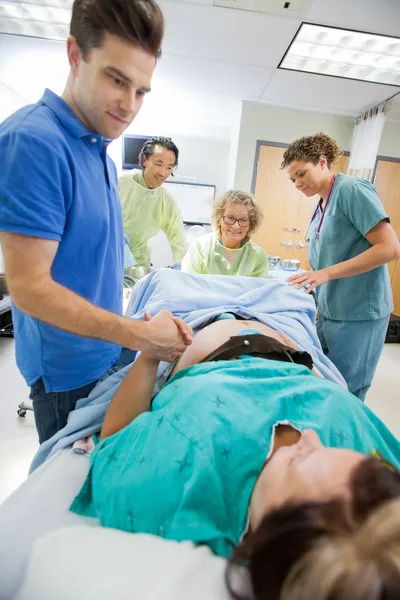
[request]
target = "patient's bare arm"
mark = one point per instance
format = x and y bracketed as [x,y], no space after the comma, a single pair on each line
[133,396]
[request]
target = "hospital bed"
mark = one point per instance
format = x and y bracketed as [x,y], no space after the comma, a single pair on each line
[40,507]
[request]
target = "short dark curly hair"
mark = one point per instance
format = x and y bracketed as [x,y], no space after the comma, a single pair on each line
[150,146]
[311,148]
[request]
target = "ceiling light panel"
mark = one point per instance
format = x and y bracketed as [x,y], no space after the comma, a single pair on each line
[46,19]
[344,53]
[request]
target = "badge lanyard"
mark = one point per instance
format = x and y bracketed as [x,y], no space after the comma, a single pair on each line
[306,238]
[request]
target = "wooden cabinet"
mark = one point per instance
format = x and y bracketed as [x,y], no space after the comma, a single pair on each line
[387,182]
[396,288]
[287,211]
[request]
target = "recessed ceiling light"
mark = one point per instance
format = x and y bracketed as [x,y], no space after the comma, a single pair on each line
[344,53]
[48,19]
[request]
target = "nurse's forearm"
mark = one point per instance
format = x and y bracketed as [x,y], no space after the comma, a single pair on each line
[133,396]
[370,259]
[58,306]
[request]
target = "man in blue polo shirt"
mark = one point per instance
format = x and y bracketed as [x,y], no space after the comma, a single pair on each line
[60,216]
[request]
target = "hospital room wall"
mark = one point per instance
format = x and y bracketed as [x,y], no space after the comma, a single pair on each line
[390,142]
[280,124]
[283,125]
[201,159]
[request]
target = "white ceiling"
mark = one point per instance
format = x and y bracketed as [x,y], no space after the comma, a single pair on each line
[237,52]
[234,53]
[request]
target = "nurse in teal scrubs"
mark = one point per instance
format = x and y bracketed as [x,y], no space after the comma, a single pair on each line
[350,241]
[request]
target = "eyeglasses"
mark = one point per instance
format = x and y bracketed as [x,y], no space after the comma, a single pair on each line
[228,220]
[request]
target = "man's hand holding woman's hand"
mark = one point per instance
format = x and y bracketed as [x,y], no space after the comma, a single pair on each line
[167,336]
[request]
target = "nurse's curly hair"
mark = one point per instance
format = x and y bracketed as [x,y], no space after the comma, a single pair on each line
[342,549]
[311,148]
[237,197]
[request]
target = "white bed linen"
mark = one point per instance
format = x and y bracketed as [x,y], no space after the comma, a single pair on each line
[37,507]
[49,553]
[93,563]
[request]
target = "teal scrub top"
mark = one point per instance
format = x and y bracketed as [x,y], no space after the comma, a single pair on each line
[354,208]
[186,469]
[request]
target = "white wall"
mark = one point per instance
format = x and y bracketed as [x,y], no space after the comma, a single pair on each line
[277,124]
[203,158]
[198,122]
[284,125]
[390,142]
[10,101]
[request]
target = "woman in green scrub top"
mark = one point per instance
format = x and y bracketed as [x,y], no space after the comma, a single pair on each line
[350,241]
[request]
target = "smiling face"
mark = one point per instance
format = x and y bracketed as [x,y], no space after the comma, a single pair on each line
[307,177]
[305,471]
[159,166]
[106,90]
[232,235]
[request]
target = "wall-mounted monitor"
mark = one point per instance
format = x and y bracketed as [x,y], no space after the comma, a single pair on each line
[194,199]
[131,147]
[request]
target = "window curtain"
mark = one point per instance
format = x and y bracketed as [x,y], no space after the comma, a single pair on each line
[366,139]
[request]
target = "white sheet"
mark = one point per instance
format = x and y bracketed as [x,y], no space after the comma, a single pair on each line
[85,563]
[39,506]
[49,553]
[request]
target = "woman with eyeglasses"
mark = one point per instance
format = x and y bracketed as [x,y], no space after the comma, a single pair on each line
[228,250]
[350,241]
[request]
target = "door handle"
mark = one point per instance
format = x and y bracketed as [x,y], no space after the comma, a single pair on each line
[301,245]
[288,243]
[291,229]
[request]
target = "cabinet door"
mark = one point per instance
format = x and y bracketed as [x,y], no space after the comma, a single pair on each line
[280,202]
[387,183]
[396,288]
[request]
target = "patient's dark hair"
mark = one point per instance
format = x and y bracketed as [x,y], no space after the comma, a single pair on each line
[336,550]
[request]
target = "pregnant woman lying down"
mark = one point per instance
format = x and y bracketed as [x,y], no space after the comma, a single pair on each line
[247,451]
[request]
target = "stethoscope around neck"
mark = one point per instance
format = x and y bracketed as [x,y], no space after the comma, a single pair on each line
[306,238]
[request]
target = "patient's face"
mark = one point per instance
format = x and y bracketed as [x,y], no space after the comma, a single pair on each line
[305,471]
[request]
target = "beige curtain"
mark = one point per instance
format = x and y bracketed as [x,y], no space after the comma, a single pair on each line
[366,139]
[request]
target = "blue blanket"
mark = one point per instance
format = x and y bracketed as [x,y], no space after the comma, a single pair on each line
[196,299]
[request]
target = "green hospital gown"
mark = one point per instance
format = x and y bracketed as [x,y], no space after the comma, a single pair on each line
[145,212]
[208,256]
[186,469]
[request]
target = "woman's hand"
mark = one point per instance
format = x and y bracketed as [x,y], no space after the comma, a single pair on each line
[310,278]
[168,337]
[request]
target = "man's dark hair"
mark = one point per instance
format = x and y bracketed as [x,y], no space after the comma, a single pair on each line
[150,147]
[140,22]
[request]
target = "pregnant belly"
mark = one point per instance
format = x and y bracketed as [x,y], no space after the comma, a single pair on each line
[214,335]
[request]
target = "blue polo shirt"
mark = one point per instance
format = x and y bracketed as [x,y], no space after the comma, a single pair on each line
[58,183]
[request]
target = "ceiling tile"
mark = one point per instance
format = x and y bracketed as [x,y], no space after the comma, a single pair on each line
[226,35]
[243,81]
[330,94]
[372,16]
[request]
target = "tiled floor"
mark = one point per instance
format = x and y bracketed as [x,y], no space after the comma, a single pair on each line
[18,440]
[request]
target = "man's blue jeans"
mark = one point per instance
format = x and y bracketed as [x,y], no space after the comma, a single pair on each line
[51,409]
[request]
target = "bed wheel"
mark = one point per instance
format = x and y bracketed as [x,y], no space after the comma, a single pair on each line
[21,412]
